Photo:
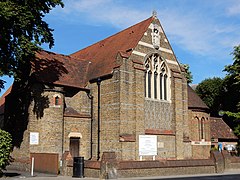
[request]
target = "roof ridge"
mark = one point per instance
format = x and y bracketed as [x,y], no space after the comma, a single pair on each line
[52,53]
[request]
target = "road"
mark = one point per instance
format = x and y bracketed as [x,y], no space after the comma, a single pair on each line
[218,177]
[232,175]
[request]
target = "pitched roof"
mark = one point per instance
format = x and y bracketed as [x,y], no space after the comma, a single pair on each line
[71,111]
[2,100]
[59,69]
[103,53]
[219,129]
[194,101]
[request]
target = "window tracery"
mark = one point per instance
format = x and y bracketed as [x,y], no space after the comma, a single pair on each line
[157,84]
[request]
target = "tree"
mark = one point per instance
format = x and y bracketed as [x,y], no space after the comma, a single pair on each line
[210,91]
[5,149]
[232,90]
[21,34]
[187,73]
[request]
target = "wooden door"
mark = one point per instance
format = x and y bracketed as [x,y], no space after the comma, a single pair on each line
[74,146]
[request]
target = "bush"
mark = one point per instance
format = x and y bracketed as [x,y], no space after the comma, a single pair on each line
[214,148]
[5,149]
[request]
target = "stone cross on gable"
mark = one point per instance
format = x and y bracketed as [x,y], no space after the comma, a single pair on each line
[154,13]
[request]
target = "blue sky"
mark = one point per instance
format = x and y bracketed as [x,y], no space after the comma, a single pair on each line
[202,32]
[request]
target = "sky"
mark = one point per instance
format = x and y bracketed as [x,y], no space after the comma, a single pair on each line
[202,33]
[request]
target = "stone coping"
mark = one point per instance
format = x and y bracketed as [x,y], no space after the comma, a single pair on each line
[153,164]
[164,164]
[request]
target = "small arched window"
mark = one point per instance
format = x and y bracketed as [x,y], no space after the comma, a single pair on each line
[56,101]
[202,128]
[157,85]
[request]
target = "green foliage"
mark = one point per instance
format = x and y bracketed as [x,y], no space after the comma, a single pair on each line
[214,148]
[22,32]
[234,115]
[5,149]
[234,69]
[187,73]
[232,91]
[210,91]
[237,130]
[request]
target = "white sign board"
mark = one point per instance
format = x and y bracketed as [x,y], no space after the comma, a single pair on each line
[34,138]
[201,143]
[147,145]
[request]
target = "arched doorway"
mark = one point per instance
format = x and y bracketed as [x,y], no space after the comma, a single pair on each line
[74,143]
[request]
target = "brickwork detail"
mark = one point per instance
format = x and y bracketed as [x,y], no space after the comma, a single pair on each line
[158,115]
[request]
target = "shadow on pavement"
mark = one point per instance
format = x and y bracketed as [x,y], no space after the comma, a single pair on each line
[25,174]
[210,177]
[10,174]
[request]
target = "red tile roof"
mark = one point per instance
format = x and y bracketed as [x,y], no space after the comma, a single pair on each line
[219,129]
[103,53]
[59,69]
[2,100]
[194,101]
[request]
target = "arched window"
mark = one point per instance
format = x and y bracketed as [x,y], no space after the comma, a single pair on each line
[145,84]
[202,128]
[157,81]
[199,129]
[165,87]
[155,85]
[161,86]
[56,101]
[149,83]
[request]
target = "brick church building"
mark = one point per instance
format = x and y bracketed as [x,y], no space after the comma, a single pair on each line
[126,94]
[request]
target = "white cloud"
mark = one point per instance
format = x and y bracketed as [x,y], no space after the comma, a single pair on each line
[197,29]
[101,11]
[186,31]
[201,33]
[234,8]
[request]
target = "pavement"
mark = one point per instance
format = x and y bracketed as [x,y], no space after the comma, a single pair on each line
[16,175]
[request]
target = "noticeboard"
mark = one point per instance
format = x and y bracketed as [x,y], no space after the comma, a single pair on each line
[147,145]
[34,138]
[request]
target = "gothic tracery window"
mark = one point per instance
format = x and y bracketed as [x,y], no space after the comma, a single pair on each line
[156,78]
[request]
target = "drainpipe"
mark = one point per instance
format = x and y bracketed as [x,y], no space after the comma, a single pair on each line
[98,147]
[63,124]
[90,96]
